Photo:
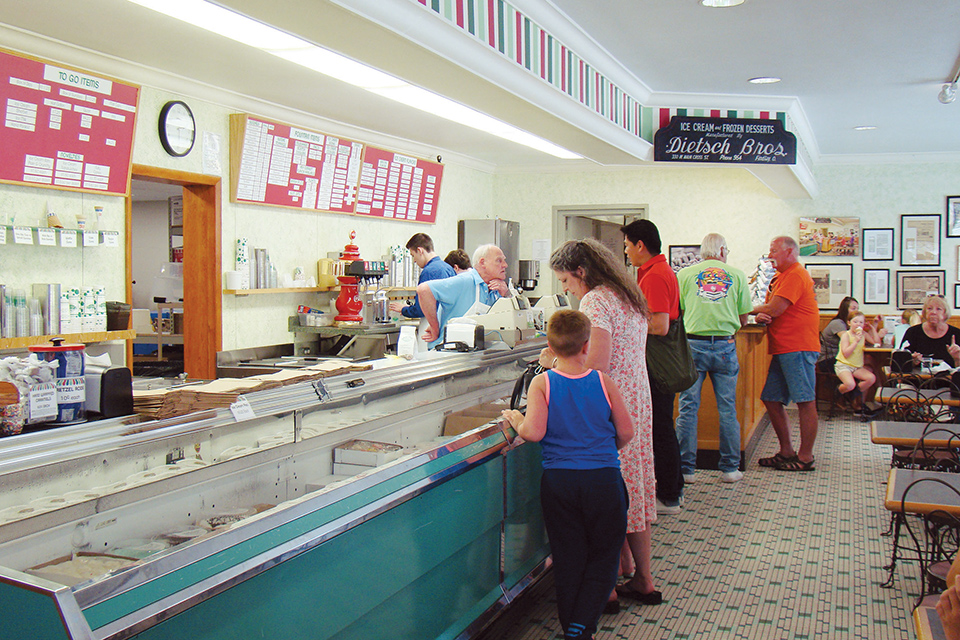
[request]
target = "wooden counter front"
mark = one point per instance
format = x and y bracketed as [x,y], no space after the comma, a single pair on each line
[754,362]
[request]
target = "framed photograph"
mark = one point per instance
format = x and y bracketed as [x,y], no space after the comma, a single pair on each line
[684,255]
[876,286]
[956,296]
[832,283]
[878,244]
[913,287]
[920,240]
[953,217]
[829,237]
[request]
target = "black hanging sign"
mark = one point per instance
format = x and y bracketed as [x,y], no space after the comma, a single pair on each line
[727,140]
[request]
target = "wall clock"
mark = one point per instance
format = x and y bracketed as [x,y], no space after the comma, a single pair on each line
[177,128]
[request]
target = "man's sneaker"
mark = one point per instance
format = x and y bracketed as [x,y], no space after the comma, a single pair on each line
[668,508]
[688,478]
[731,476]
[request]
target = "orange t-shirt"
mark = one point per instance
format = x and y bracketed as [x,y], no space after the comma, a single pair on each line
[797,328]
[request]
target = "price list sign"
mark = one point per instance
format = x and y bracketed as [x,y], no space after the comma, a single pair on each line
[64,128]
[396,186]
[281,165]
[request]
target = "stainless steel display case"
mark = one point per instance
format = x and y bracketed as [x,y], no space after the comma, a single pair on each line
[428,545]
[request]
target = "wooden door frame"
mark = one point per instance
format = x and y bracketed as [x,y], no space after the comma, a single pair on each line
[202,294]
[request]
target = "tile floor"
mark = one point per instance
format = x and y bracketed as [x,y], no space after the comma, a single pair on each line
[775,556]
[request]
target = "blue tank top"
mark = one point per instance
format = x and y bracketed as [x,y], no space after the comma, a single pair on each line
[580,431]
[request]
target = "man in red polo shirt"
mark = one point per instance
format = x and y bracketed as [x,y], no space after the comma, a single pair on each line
[793,322]
[659,285]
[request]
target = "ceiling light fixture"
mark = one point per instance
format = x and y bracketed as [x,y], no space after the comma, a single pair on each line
[721,3]
[764,80]
[240,28]
[865,127]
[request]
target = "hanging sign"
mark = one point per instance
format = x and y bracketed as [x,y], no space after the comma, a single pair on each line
[65,128]
[396,186]
[726,140]
[278,164]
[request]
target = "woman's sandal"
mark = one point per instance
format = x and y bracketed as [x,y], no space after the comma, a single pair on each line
[775,460]
[796,465]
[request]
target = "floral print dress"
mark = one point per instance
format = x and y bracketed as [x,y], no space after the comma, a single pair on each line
[628,369]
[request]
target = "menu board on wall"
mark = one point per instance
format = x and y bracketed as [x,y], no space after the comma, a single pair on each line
[280,165]
[396,186]
[64,128]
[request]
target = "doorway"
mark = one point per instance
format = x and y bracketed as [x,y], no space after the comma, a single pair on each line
[599,222]
[202,303]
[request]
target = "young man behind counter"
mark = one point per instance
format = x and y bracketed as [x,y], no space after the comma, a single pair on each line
[420,246]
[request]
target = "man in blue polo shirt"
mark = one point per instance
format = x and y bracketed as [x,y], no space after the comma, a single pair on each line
[420,246]
[469,293]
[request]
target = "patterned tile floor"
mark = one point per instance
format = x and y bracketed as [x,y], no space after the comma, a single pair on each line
[776,556]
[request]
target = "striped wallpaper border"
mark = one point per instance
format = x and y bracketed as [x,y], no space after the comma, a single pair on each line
[502,27]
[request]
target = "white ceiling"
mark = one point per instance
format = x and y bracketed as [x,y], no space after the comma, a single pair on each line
[843,64]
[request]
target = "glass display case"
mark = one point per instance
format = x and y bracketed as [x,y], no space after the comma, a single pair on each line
[260,523]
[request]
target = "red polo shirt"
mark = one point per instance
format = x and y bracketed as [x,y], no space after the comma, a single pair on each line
[659,285]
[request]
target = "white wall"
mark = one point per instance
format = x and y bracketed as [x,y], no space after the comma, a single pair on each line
[687,202]
[150,249]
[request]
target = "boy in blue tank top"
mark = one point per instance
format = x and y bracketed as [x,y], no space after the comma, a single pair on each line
[580,420]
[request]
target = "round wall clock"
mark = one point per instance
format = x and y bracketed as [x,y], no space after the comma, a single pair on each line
[177,128]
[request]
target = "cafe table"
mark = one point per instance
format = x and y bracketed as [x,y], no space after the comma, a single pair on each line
[908,434]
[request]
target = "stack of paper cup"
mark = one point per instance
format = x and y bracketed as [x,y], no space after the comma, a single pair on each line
[243,264]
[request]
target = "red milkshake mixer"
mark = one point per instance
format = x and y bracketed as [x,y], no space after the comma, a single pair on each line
[349,303]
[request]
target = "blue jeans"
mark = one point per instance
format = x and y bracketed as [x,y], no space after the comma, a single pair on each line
[719,359]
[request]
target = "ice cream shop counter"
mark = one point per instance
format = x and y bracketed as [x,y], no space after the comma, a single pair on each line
[328,509]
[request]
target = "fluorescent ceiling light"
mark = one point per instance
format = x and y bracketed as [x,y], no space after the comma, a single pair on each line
[763,80]
[248,31]
[721,3]
[865,127]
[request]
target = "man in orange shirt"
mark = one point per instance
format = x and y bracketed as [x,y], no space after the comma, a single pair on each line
[793,320]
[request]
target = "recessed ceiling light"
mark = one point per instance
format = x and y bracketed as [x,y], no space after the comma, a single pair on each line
[864,127]
[763,80]
[720,3]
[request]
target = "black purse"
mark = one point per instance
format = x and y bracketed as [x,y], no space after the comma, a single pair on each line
[669,360]
[523,383]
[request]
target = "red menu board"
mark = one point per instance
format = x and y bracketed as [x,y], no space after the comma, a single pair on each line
[396,186]
[64,128]
[276,164]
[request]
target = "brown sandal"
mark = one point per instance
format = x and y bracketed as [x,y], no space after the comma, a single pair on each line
[775,460]
[796,465]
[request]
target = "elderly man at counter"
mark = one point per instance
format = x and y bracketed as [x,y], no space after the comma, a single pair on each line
[793,320]
[469,293]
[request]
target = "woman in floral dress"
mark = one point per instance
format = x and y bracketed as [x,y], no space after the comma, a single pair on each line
[618,313]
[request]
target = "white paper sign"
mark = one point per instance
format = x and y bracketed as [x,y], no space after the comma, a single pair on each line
[47,237]
[68,238]
[23,235]
[3,235]
[111,239]
[71,390]
[242,410]
[91,239]
[43,402]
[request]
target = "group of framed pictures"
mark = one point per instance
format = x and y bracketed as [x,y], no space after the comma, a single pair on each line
[920,246]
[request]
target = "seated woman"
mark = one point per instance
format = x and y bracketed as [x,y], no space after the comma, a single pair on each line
[933,337]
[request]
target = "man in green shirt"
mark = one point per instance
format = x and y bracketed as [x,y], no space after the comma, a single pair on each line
[715,301]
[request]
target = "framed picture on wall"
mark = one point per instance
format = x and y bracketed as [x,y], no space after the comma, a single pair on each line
[684,255]
[953,217]
[913,287]
[831,283]
[920,240]
[878,244]
[829,237]
[956,296]
[876,286]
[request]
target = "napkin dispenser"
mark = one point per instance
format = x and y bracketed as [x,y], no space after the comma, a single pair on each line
[461,334]
[109,390]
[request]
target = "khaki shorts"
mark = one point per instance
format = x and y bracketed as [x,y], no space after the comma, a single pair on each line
[840,366]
